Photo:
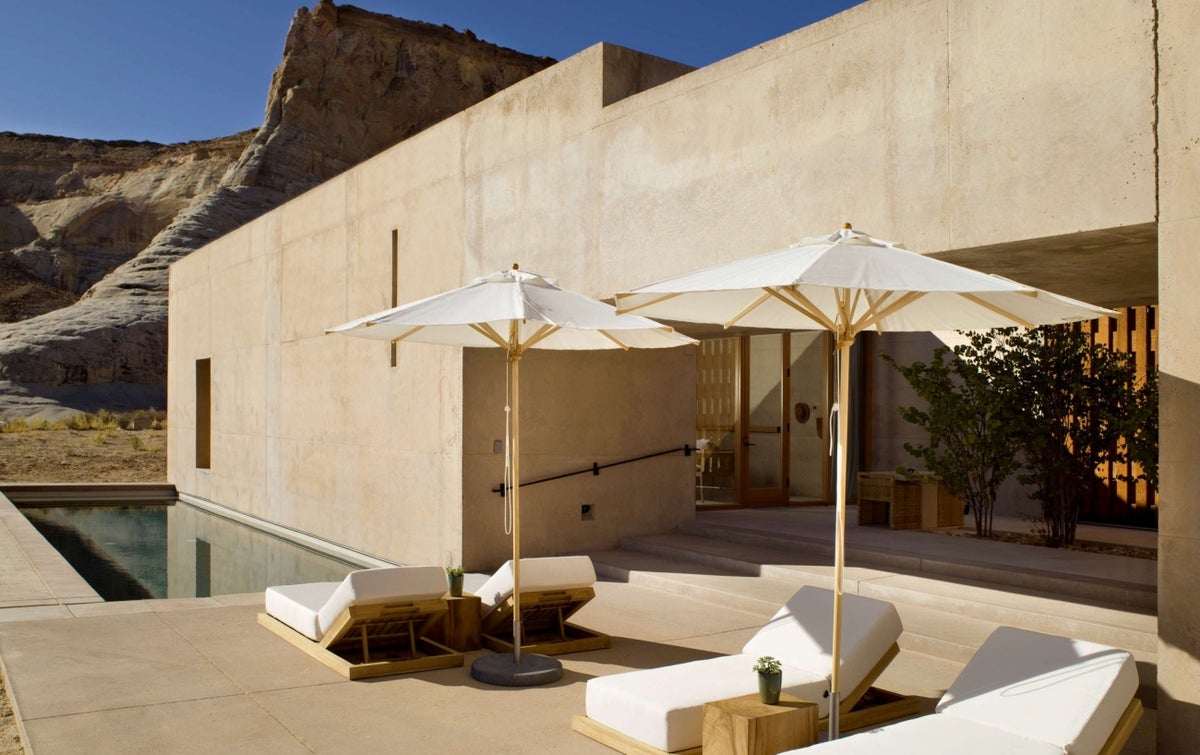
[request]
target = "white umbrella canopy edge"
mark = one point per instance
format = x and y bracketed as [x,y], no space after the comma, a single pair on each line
[871,283]
[513,310]
[481,314]
[847,282]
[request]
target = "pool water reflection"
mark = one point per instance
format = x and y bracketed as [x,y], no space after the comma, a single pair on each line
[175,551]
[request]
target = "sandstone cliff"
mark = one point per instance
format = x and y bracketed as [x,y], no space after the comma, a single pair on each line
[351,84]
[72,211]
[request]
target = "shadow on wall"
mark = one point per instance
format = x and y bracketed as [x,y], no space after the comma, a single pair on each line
[1178,558]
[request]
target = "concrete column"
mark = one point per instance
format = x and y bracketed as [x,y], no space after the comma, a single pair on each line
[1179,279]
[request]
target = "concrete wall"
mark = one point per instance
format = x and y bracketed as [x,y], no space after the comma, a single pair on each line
[1179,347]
[946,124]
[578,408]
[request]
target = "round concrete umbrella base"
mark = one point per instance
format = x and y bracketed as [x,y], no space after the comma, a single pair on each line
[533,670]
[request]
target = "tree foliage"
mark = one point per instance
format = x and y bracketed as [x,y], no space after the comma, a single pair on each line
[1047,401]
[973,442]
[1078,400]
[1142,437]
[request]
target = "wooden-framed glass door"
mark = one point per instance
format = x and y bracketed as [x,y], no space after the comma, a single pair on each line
[762,404]
[717,379]
[763,426]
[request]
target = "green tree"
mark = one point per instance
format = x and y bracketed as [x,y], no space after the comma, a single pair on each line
[969,415]
[1077,399]
[1141,438]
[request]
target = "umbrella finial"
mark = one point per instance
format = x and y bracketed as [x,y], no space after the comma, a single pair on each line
[846,226]
[515,266]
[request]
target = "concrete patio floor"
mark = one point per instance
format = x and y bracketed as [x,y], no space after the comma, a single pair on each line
[200,675]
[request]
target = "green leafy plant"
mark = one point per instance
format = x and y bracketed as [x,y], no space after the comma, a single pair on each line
[454,571]
[1141,439]
[968,413]
[1078,399]
[1048,402]
[768,665]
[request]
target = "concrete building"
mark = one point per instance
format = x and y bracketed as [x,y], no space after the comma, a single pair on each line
[1053,141]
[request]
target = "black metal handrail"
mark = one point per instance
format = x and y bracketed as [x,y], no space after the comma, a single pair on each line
[596,467]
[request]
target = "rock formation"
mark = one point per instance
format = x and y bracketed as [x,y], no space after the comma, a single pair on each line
[351,84]
[72,211]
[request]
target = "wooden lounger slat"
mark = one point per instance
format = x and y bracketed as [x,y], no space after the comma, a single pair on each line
[377,639]
[544,623]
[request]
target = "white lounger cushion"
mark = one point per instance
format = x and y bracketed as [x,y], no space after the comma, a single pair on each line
[933,734]
[297,605]
[1067,693]
[312,608]
[548,573]
[801,634]
[664,707]
[1022,692]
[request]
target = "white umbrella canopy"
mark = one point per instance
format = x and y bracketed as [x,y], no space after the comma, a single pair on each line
[845,283]
[516,311]
[848,282]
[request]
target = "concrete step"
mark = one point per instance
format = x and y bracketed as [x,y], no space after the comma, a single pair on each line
[941,635]
[719,587]
[927,631]
[1032,609]
[942,618]
[916,553]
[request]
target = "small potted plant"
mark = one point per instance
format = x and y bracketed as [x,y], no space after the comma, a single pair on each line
[454,580]
[770,679]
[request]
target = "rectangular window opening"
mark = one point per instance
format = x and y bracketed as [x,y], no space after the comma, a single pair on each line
[203,413]
[395,279]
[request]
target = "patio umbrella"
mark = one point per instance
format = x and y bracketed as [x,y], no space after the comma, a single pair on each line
[845,283]
[516,311]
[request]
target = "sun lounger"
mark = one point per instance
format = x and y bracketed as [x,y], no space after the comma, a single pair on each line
[662,709]
[552,590]
[1022,693]
[375,622]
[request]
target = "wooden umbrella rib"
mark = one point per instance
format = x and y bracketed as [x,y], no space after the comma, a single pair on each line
[803,305]
[998,310]
[541,334]
[749,308]
[487,331]
[407,333]
[873,316]
[652,302]
[842,297]
[620,344]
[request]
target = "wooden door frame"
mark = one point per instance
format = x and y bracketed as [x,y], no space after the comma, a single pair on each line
[744,495]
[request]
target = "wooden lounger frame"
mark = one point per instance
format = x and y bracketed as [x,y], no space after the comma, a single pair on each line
[377,639]
[1124,728]
[544,625]
[878,706]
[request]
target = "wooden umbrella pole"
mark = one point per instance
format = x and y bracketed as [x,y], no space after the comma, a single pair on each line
[514,370]
[839,542]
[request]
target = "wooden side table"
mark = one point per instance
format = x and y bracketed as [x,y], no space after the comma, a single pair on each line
[746,726]
[461,628]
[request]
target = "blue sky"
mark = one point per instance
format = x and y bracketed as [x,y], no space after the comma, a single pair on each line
[171,71]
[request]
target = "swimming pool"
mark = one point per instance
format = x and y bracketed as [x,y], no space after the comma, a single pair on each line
[176,550]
